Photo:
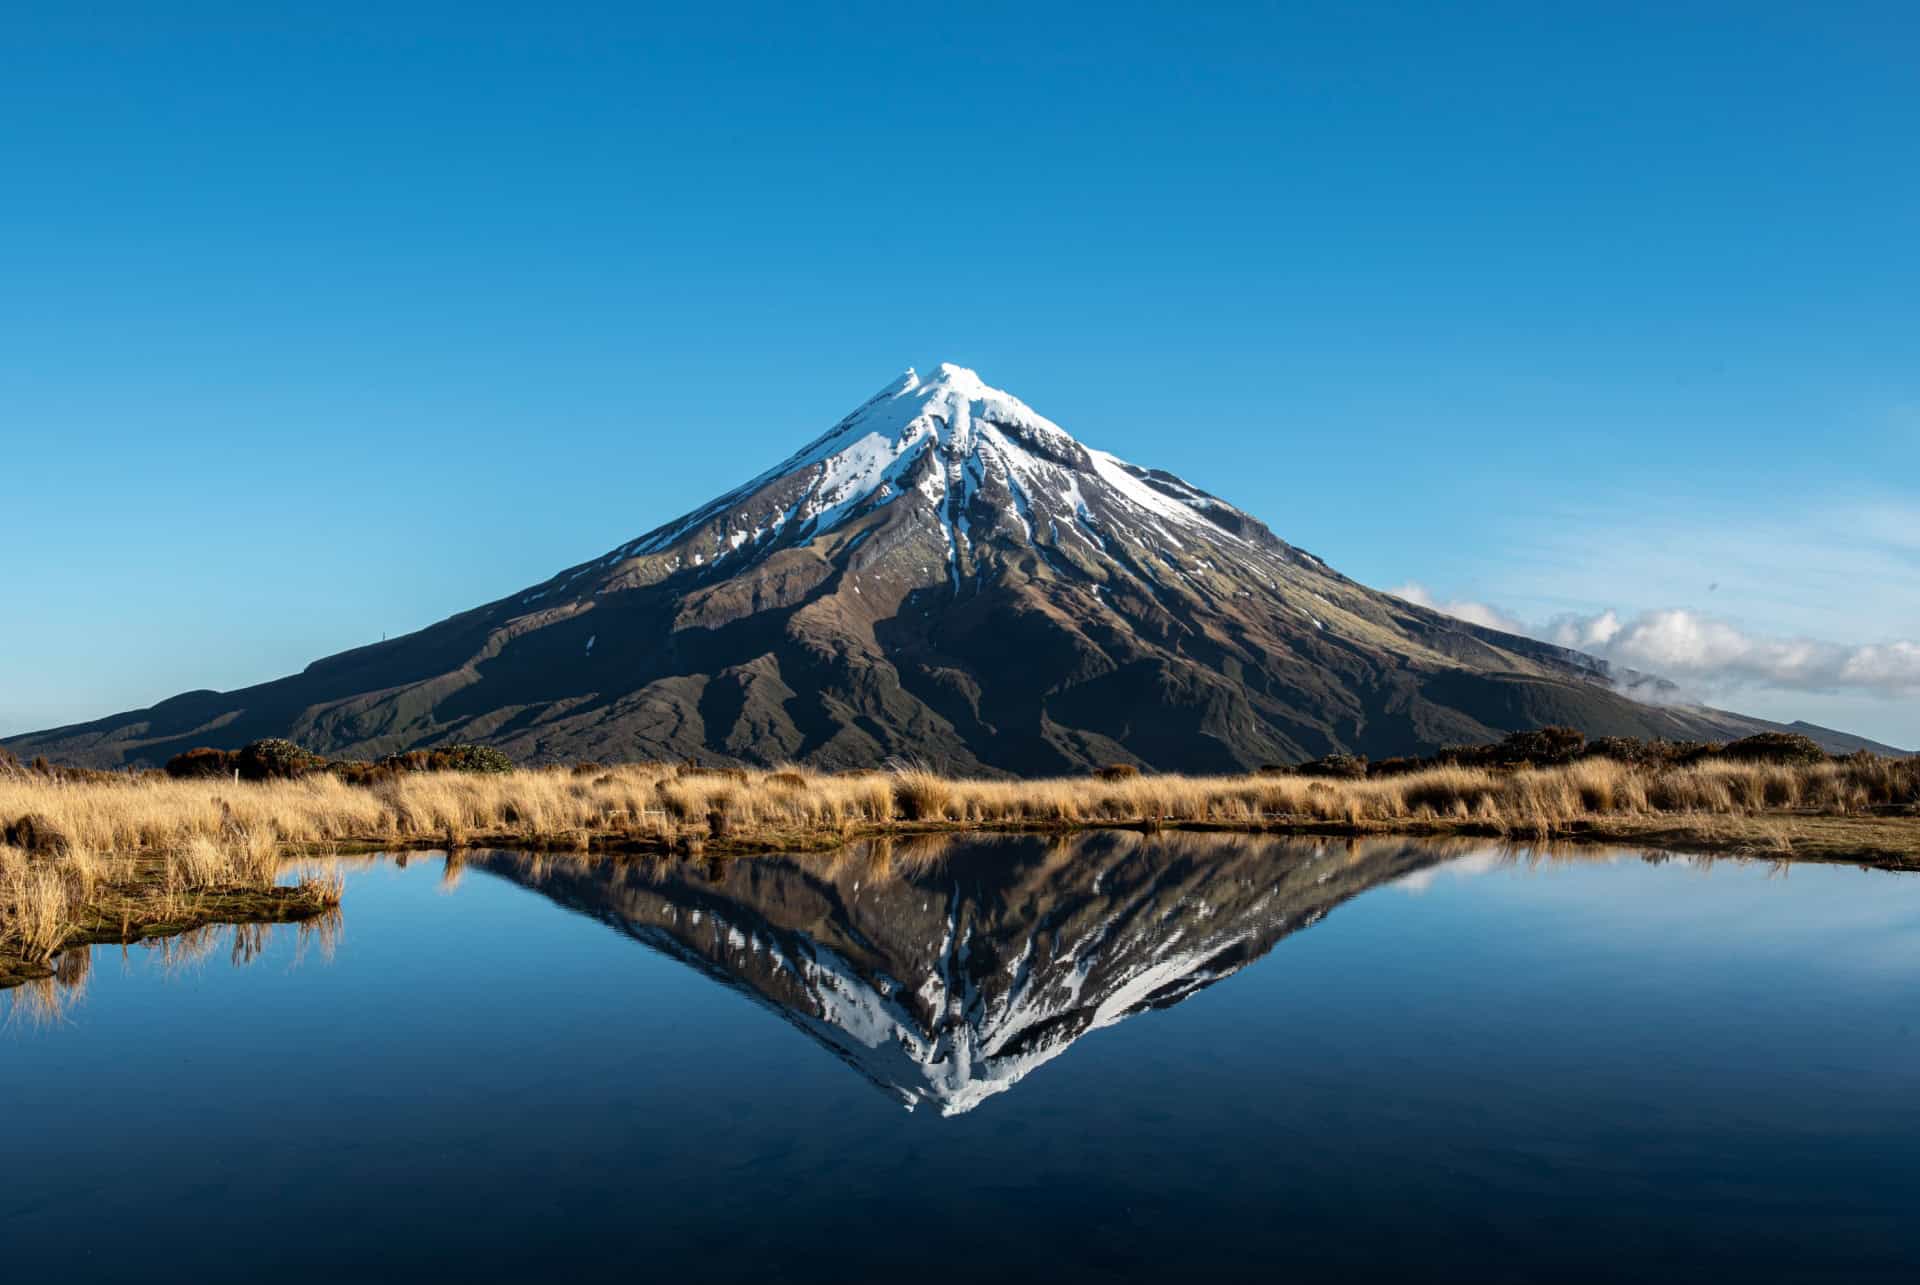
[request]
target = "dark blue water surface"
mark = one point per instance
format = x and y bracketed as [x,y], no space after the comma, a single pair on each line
[1109,1057]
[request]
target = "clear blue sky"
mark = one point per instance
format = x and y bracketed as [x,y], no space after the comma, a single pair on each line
[319,322]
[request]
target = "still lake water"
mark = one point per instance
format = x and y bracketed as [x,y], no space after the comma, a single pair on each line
[1109,1057]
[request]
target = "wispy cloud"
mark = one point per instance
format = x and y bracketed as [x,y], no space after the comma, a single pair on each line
[1691,648]
[1703,653]
[1477,613]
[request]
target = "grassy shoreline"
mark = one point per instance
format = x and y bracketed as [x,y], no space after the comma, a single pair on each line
[60,894]
[121,858]
[100,926]
[209,826]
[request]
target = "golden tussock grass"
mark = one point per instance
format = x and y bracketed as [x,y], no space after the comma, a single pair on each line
[209,831]
[109,860]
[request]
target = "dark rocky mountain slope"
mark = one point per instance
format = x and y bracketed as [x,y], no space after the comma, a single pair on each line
[945,576]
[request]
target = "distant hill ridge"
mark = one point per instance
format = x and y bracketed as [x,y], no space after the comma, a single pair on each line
[944,575]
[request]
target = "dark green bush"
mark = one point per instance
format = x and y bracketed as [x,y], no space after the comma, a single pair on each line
[1621,749]
[275,759]
[279,759]
[1683,753]
[1555,746]
[1776,747]
[470,758]
[1542,747]
[1344,766]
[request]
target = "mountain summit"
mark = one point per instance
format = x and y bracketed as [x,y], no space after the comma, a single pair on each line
[957,452]
[945,575]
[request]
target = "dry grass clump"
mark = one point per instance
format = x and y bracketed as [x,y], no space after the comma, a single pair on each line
[38,900]
[66,889]
[919,795]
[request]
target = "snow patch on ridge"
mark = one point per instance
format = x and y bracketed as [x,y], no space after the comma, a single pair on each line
[1114,472]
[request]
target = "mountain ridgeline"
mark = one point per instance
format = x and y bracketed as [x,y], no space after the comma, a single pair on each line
[944,576]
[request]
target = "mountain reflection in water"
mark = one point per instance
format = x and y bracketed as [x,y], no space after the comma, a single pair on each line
[1506,1063]
[947,970]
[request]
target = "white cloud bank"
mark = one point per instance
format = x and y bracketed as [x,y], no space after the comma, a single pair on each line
[1703,652]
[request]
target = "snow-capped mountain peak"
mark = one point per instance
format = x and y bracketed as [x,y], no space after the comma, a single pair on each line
[971,465]
[952,409]
[959,397]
